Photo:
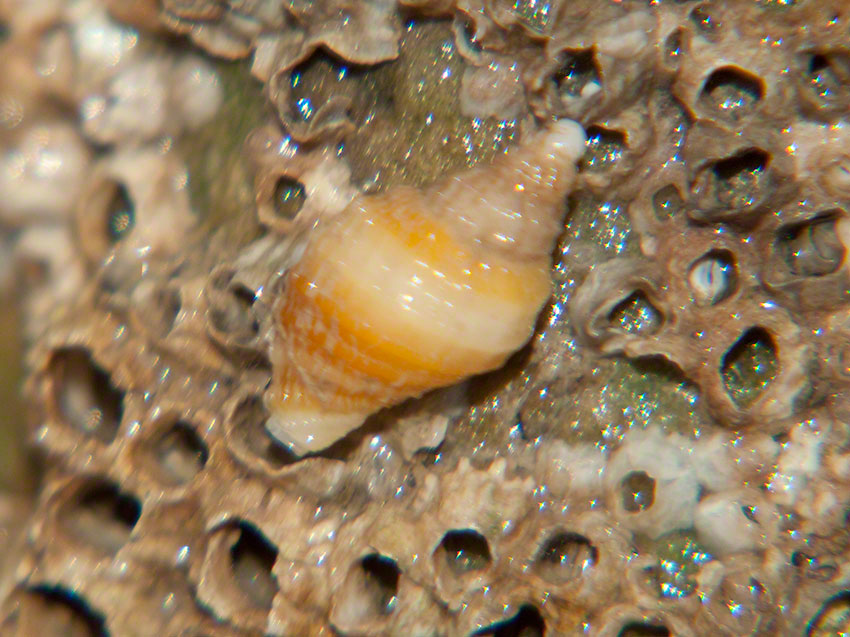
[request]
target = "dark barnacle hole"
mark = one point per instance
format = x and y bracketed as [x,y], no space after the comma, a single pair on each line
[248,425]
[179,453]
[635,315]
[713,277]
[738,178]
[579,75]
[120,213]
[749,366]
[811,249]
[101,515]
[288,198]
[252,559]
[638,491]
[812,568]
[673,48]
[733,186]
[750,512]
[604,148]
[528,622]
[833,618]
[54,611]
[731,92]
[667,202]
[465,550]
[643,629]
[166,302]
[230,312]
[565,556]
[826,79]
[381,575]
[705,23]
[83,394]
[465,35]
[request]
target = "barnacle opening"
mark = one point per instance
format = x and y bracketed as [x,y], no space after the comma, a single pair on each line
[288,198]
[605,147]
[738,174]
[673,48]
[667,202]
[464,550]
[812,248]
[252,558]
[635,315]
[643,629]
[106,215]
[83,395]
[99,514]
[749,366]
[380,581]
[167,304]
[706,25]
[120,213]
[812,568]
[833,617]
[579,75]
[55,611]
[732,92]
[637,490]
[565,556]
[713,277]
[231,313]
[178,451]
[528,622]
[731,188]
[825,77]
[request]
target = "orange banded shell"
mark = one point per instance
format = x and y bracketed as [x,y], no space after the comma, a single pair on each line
[411,290]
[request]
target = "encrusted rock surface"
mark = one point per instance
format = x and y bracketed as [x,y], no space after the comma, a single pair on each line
[670,455]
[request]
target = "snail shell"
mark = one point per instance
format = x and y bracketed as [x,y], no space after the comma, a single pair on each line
[410,290]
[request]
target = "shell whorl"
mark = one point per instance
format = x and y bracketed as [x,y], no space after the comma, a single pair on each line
[411,290]
[517,202]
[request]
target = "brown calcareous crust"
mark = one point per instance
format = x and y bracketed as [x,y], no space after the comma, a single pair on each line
[669,455]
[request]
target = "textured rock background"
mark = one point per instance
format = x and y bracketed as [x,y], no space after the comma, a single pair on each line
[670,455]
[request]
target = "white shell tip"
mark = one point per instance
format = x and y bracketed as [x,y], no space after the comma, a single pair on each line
[566,137]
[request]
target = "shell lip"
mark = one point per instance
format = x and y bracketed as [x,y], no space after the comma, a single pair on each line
[306,432]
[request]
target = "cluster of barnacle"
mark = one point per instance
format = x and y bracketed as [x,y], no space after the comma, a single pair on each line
[668,456]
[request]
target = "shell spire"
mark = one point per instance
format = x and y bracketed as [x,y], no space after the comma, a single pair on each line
[410,290]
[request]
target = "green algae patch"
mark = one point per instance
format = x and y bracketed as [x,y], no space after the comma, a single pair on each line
[621,394]
[221,185]
[680,558]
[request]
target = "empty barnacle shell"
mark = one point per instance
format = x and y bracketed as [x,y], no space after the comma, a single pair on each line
[618,303]
[410,290]
[807,260]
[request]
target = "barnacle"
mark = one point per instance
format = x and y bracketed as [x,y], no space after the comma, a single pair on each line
[634,423]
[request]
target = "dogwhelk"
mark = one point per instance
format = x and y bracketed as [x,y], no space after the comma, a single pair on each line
[411,290]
